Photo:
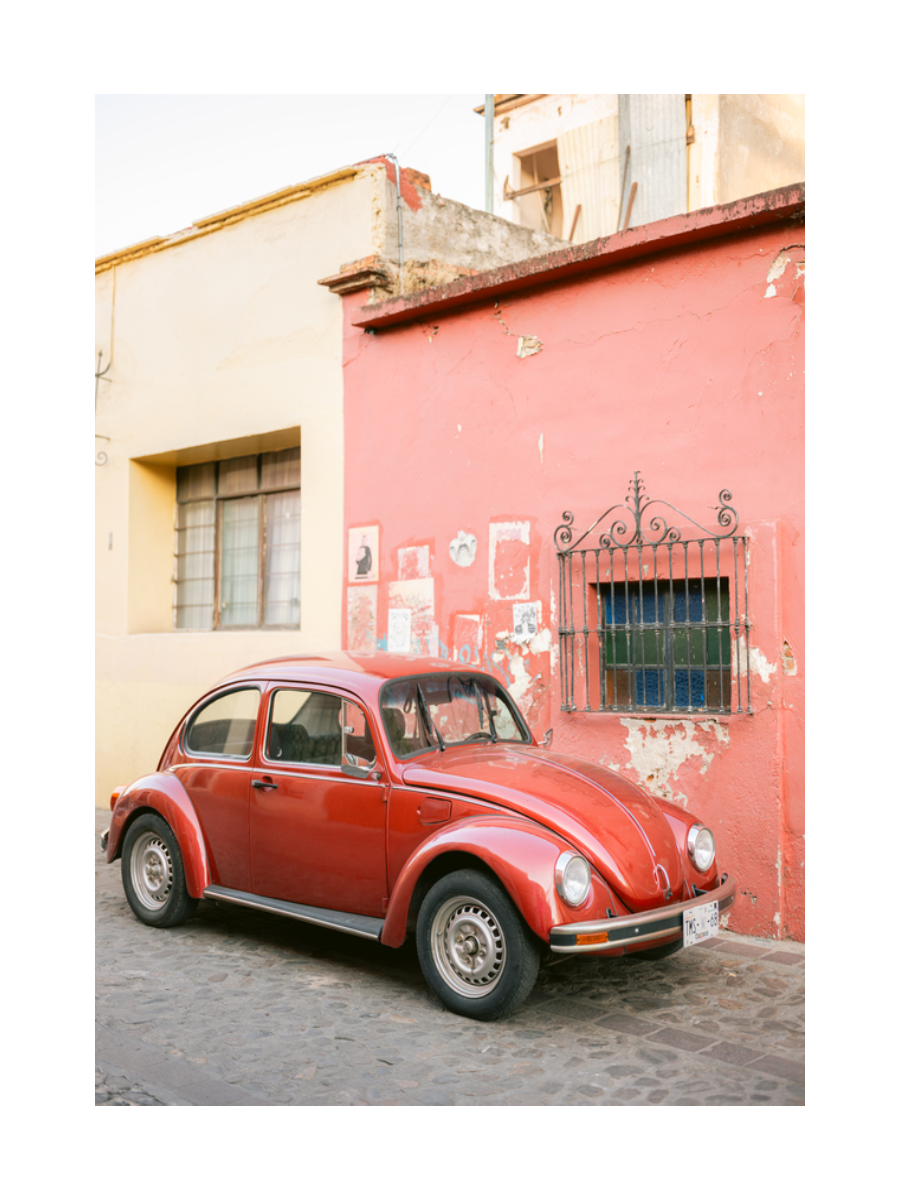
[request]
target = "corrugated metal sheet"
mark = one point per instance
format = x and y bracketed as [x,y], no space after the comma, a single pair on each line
[591,177]
[654,126]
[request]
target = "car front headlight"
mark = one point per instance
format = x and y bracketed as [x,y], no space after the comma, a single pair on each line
[701,847]
[573,878]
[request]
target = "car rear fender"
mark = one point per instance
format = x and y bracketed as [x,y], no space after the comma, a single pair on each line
[164,793]
[520,854]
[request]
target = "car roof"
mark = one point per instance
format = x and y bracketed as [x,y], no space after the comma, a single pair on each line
[360,671]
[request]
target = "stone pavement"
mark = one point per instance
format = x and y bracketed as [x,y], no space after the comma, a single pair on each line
[239,1008]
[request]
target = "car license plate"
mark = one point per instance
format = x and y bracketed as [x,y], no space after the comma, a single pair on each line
[701,922]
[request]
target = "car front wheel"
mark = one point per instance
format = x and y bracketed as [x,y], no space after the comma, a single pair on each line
[476,953]
[153,873]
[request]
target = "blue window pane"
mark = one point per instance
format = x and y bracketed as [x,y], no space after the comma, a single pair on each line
[648,688]
[683,697]
[690,607]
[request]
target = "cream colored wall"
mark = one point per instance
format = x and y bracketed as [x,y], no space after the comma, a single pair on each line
[220,345]
[761,144]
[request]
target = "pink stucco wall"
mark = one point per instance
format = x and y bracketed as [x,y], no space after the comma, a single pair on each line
[684,363]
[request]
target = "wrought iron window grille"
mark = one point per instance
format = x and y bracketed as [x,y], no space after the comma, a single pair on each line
[651,621]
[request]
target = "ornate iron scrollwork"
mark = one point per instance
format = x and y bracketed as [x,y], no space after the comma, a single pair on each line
[637,527]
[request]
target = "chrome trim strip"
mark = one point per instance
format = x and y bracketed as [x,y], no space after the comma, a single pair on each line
[359,926]
[335,773]
[218,764]
[638,927]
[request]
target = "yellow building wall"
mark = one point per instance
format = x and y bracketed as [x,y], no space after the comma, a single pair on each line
[219,345]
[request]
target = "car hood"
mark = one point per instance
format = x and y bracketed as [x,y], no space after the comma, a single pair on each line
[614,823]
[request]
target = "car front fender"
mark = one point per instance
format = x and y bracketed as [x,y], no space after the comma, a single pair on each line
[522,856]
[164,793]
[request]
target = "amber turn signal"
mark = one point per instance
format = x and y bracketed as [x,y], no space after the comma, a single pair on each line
[117,792]
[591,939]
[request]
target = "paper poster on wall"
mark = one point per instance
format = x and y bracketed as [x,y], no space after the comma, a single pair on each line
[362,559]
[362,612]
[399,630]
[525,622]
[417,596]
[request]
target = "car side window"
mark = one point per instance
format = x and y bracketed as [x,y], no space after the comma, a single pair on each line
[226,725]
[317,728]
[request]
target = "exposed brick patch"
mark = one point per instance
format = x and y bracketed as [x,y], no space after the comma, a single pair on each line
[410,179]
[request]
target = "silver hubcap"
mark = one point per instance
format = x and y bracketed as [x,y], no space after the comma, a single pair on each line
[468,946]
[151,870]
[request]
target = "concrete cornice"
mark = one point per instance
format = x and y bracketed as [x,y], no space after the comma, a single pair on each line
[230,216]
[707,223]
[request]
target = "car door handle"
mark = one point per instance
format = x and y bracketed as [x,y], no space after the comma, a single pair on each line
[264,785]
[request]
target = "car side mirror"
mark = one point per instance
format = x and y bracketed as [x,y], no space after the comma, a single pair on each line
[548,738]
[351,769]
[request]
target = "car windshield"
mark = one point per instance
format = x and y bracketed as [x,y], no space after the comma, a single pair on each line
[448,710]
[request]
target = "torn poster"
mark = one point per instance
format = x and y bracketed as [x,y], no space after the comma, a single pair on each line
[399,630]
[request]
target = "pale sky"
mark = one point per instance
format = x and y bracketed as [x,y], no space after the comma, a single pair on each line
[163,161]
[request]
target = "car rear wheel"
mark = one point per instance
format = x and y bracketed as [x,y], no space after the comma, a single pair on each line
[476,953]
[153,873]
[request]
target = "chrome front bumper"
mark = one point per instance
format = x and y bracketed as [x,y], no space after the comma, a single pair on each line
[587,937]
[104,838]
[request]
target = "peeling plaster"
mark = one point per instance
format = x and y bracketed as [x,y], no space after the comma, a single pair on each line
[527,344]
[788,661]
[759,664]
[778,268]
[509,564]
[658,750]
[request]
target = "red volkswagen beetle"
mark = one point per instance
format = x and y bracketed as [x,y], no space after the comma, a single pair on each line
[387,796]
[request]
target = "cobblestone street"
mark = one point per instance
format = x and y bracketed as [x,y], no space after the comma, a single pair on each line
[235,1008]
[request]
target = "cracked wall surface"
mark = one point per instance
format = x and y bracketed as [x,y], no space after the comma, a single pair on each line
[684,365]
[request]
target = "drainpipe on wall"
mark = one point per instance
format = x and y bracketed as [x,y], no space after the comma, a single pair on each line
[399,218]
[489,153]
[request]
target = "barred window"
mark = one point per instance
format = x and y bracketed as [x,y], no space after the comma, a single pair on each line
[237,543]
[652,621]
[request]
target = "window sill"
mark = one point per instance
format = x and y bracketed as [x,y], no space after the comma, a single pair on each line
[637,715]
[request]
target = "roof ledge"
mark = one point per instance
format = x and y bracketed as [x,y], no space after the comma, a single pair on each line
[767,208]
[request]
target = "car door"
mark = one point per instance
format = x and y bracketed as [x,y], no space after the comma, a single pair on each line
[215,771]
[317,833]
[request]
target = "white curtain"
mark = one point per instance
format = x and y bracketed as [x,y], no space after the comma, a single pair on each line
[283,559]
[240,562]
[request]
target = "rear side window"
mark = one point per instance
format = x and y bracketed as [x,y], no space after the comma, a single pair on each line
[226,725]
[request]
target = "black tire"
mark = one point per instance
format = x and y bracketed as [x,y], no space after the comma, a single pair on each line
[652,953]
[477,954]
[153,873]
